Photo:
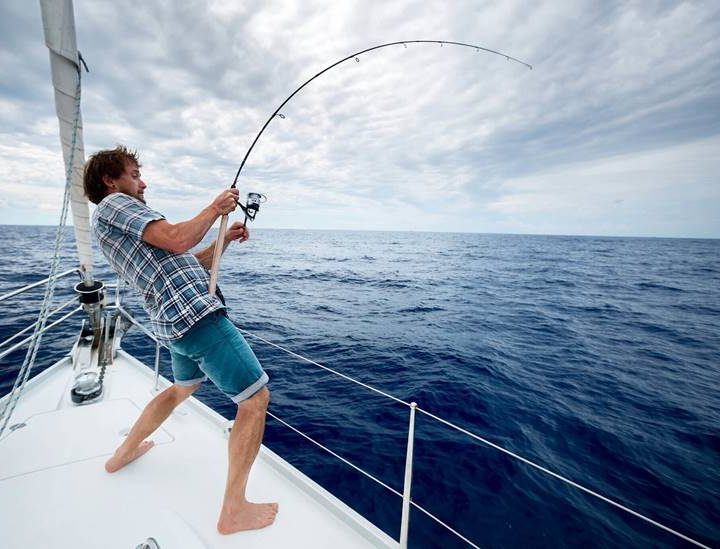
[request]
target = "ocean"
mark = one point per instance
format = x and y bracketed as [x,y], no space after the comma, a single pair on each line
[596,357]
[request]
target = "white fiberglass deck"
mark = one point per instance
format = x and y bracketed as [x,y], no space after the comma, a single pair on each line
[54,491]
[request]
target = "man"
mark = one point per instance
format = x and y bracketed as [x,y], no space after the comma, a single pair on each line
[152,255]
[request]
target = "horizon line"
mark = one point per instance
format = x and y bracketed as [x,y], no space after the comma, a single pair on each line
[583,235]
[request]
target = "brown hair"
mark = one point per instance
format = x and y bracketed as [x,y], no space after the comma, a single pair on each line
[102,163]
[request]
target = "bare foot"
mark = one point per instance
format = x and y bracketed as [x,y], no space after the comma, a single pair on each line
[119,460]
[249,516]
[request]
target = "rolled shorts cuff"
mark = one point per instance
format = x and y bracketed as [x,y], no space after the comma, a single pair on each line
[252,389]
[188,382]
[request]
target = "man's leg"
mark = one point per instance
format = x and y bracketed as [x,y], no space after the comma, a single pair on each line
[157,411]
[237,512]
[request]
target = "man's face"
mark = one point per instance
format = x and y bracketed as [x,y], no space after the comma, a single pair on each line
[129,182]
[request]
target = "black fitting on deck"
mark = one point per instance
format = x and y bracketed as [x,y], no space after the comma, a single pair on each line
[90,294]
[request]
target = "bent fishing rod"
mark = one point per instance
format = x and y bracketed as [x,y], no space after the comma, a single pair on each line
[253,202]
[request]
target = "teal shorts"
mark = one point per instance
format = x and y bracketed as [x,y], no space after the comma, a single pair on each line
[213,348]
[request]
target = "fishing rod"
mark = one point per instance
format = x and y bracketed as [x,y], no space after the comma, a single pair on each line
[251,208]
[223,224]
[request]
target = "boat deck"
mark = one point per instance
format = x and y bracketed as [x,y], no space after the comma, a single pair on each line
[54,491]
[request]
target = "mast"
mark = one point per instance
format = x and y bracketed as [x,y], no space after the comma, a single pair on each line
[59,29]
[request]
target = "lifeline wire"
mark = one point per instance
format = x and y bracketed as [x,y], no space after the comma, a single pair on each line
[479,439]
[564,479]
[371,477]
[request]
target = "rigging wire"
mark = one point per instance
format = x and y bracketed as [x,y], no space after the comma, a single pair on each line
[29,362]
[470,434]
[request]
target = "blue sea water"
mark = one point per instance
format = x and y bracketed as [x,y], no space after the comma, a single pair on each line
[598,358]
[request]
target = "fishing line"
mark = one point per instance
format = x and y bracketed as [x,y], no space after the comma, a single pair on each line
[253,202]
[356,57]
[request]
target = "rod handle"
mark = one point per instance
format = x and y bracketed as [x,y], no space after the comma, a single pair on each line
[217,252]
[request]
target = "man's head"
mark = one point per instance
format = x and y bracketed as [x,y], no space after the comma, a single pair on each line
[111,171]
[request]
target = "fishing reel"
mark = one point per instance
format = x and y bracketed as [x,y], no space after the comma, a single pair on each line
[252,205]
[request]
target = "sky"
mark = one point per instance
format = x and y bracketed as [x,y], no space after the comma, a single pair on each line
[615,131]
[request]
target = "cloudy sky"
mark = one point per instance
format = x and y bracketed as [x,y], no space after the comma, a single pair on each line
[615,131]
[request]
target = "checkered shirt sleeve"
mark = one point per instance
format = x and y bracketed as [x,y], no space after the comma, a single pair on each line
[174,286]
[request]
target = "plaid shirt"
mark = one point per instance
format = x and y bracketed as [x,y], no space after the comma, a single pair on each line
[173,286]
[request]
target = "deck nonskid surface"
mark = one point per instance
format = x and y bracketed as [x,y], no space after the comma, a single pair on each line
[54,491]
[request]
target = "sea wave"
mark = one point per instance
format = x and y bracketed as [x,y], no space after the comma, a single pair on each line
[592,356]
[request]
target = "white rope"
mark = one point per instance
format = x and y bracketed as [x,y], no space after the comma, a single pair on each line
[458,534]
[20,344]
[35,284]
[329,451]
[21,332]
[471,435]
[381,483]
[373,389]
[29,361]
[564,479]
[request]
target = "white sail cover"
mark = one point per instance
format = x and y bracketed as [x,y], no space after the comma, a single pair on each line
[59,28]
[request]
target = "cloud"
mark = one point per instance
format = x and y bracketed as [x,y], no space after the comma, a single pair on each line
[445,134]
[620,194]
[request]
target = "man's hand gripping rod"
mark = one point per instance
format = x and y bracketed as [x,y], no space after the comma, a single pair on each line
[217,252]
[251,209]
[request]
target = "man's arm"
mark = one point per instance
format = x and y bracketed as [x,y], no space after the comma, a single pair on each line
[237,231]
[181,237]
